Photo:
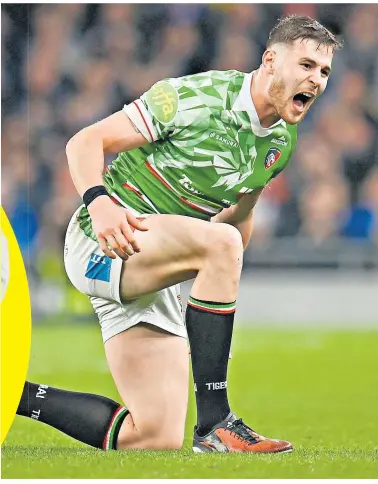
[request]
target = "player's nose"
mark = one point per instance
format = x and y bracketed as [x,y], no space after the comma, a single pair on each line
[316,79]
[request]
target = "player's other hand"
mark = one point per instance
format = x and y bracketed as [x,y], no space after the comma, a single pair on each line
[114,228]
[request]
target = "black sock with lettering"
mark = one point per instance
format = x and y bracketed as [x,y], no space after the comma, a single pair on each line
[210,326]
[91,419]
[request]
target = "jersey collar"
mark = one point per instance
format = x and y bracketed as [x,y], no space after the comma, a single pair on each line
[244,102]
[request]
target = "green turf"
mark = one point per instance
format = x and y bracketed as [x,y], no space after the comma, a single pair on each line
[316,388]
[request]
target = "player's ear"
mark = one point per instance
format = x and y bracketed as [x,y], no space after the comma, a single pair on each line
[268,59]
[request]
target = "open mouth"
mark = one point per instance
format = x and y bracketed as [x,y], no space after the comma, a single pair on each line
[301,99]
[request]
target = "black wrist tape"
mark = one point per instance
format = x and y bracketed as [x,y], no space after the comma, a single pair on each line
[93,193]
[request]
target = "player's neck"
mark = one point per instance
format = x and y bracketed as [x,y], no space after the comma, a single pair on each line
[260,97]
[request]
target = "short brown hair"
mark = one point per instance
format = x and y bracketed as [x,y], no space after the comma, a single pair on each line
[293,27]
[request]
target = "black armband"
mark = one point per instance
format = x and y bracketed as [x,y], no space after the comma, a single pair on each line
[93,193]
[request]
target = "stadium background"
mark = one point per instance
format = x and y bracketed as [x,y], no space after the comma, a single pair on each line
[66,66]
[313,259]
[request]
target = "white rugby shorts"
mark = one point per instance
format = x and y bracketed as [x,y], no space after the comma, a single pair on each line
[98,276]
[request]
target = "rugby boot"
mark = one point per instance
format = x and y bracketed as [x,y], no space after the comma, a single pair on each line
[233,435]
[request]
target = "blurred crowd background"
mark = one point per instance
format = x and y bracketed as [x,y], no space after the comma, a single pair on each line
[66,66]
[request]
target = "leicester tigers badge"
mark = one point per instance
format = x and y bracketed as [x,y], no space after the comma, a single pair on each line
[271,157]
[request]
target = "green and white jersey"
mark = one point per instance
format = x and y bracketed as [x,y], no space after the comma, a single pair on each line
[207,148]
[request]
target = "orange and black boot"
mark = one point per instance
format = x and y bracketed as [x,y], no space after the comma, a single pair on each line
[233,435]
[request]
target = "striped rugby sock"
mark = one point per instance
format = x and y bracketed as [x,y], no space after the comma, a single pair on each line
[92,419]
[212,307]
[110,440]
[209,325]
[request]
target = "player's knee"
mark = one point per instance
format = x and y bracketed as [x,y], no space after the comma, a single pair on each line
[227,242]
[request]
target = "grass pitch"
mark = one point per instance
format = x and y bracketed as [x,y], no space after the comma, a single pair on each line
[316,388]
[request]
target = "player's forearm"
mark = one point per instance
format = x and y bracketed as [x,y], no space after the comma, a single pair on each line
[85,154]
[241,215]
[246,230]
[85,151]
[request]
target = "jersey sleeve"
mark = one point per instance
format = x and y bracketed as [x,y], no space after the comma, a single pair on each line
[169,106]
[293,144]
[294,139]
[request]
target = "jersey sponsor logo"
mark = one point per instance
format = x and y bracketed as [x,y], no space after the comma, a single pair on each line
[280,141]
[187,184]
[99,267]
[162,99]
[271,157]
[223,139]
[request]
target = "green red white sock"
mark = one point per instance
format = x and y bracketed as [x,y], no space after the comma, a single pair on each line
[212,307]
[110,440]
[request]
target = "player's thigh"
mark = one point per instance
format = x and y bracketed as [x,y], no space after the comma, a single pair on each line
[151,370]
[172,251]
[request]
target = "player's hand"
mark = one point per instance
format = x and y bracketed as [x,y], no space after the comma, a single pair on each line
[113,227]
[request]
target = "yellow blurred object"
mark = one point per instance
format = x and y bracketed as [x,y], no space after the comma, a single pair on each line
[15,328]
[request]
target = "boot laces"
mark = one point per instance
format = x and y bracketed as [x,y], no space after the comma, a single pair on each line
[242,431]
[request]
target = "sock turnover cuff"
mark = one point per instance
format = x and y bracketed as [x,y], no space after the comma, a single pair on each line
[211,306]
[110,440]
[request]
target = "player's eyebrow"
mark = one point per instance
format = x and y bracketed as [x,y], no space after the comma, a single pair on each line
[314,63]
